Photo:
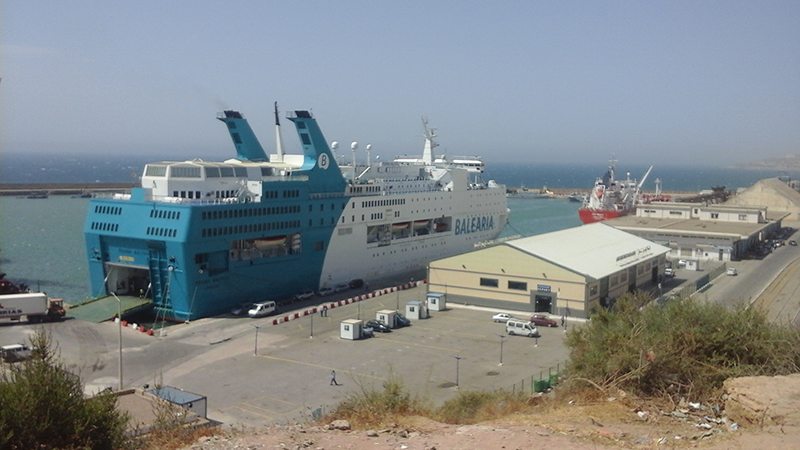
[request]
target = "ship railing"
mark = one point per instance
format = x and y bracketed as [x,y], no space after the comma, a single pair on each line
[112,195]
[200,201]
[284,178]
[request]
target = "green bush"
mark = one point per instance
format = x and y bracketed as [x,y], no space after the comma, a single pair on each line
[685,348]
[42,406]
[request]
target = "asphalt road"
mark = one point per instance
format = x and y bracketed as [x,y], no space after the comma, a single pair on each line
[771,284]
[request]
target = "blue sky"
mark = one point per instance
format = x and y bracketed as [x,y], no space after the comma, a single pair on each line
[709,82]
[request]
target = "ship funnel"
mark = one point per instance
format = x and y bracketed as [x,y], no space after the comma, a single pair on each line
[245,141]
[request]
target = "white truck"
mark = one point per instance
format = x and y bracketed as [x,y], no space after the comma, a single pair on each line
[35,306]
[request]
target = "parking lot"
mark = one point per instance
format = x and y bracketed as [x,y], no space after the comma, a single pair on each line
[289,378]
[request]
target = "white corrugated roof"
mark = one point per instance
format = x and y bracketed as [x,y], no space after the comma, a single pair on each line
[595,250]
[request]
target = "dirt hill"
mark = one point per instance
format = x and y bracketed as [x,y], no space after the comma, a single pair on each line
[760,412]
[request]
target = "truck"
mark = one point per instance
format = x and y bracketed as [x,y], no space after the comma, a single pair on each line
[35,306]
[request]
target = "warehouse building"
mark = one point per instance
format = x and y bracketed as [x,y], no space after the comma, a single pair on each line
[570,272]
[701,232]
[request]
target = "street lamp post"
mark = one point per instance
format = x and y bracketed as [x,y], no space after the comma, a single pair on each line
[255,349]
[119,323]
[312,326]
[502,338]
[458,359]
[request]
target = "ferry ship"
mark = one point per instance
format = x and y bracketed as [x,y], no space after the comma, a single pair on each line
[198,238]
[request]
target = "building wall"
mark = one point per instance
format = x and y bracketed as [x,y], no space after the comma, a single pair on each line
[665,210]
[460,278]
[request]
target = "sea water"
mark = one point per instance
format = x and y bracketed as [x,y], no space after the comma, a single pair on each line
[41,244]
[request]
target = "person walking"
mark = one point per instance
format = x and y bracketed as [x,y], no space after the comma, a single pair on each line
[333,378]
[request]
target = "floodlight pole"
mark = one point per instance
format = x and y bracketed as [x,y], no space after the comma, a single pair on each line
[502,338]
[119,323]
[255,349]
[458,359]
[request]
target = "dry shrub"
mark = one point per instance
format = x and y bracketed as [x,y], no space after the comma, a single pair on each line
[478,406]
[683,349]
[370,407]
[172,438]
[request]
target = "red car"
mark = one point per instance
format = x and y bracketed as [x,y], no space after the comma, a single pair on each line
[541,320]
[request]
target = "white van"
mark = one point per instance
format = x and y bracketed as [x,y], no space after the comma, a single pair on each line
[521,328]
[262,309]
[15,352]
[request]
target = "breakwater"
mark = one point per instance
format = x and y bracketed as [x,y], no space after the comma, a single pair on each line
[27,189]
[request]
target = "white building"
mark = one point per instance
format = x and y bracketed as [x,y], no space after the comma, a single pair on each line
[697,231]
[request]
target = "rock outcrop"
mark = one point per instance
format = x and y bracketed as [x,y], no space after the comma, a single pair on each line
[764,401]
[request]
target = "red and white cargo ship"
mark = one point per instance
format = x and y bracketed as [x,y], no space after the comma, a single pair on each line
[611,198]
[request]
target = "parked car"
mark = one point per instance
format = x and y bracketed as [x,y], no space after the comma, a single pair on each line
[521,328]
[14,352]
[681,263]
[378,325]
[543,321]
[262,309]
[367,332]
[357,283]
[502,317]
[341,287]
[793,243]
[401,320]
[731,271]
[308,293]
[669,272]
[322,292]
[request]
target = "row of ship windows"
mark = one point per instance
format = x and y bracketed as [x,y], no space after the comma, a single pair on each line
[389,202]
[161,214]
[237,213]
[103,226]
[363,189]
[322,207]
[251,228]
[99,209]
[166,232]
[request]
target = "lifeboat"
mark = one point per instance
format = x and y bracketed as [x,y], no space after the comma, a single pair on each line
[400,226]
[269,241]
[421,224]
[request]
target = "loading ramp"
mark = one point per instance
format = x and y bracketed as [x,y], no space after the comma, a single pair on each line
[106,308]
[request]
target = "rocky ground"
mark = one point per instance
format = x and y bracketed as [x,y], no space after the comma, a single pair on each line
[759,413]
